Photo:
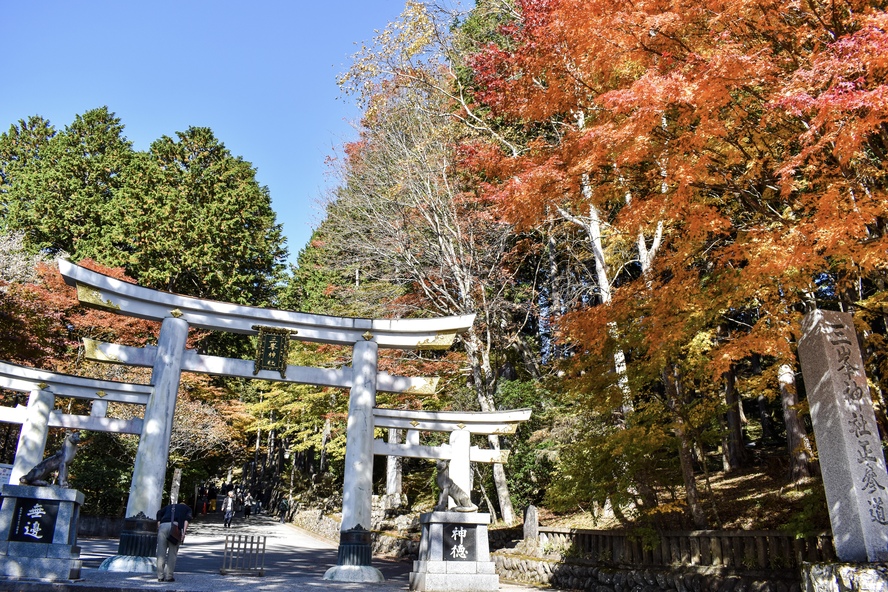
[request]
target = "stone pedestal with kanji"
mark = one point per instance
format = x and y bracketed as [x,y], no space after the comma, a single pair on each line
[454,554]
[38,528]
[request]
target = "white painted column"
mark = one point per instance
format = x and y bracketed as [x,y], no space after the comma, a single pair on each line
[393,474]
[357,487]
[98,408]
[32,438]
[460,465]
[146,490]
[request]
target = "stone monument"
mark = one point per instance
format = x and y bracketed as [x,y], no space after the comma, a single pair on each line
[454,552]
[40,522]
[851,459]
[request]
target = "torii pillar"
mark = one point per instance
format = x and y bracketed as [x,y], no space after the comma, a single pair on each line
[139,536]
[353,558]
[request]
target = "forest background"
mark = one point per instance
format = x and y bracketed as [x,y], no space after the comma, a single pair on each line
[638,200]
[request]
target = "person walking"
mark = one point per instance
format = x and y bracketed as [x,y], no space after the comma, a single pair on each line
[174,520]
[228,509]
[284,507]
[248,506]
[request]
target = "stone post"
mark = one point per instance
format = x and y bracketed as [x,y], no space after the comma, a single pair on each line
[32,438]
[138,539]
[353,560]
[460,468]
[146,490]
[174,488]
[851,459]
[531,524]
[393,474]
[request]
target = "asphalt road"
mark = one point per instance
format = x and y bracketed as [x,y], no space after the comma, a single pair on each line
[295,561]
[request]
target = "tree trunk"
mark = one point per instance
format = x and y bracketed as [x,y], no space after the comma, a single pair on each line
[556,304]
[880,407]
[796,437]
[671,380]
[768,432]
[733,450]
[485,382]
[325,436]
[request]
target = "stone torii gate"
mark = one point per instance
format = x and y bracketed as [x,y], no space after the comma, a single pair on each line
[45,547]
[43,387]
[178,313]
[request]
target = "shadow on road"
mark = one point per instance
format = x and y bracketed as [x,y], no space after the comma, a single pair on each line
[289,551]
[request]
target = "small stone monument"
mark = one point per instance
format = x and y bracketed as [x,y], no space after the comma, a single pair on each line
[454,553]
[38,522]
[531,524]
[851,459]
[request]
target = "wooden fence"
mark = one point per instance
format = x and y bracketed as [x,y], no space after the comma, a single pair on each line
[243,555]
[749,550]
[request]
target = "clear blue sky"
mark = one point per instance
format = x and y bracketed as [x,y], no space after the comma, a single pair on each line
[260,74]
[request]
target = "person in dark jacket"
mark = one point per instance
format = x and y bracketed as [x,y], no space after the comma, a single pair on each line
[167,549]
[228,509]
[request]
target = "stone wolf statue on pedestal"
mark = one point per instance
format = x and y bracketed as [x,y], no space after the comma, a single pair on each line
[451,489]
[57,462]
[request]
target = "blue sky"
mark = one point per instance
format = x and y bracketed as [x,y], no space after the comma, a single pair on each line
[260,74]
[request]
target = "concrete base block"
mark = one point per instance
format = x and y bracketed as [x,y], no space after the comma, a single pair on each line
[40,568]
[39,530]
[465,567]
[354,573]
[845,577]
[130,563]
[433,582]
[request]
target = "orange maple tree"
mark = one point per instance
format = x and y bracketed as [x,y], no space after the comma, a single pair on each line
[727,157]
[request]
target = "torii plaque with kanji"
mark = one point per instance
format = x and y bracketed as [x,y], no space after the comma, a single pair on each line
[272,347]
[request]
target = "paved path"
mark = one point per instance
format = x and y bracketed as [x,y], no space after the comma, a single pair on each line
[295,561]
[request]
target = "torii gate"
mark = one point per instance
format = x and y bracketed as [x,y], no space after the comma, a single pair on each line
[36,419]
[177,313]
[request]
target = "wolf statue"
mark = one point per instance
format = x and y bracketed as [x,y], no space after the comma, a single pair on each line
[451,489]
[57,462]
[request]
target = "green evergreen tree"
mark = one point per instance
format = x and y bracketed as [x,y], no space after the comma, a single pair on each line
[194,220]
[59,187]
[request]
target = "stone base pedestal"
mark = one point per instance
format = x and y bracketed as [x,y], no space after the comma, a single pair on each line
[353,558]
[137,550]
[365,574]
[845,577]
[454,554]
[129,564]
[38,533]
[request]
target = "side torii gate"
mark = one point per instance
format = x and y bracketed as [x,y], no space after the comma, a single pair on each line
[178,313]
[43,387]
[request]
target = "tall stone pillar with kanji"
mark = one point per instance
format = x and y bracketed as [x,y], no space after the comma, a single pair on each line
[847,436]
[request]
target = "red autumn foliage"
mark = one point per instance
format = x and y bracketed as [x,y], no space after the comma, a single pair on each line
[755,132]
[43,322]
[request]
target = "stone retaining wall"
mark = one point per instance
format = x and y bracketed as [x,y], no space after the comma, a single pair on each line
[515,566]
[327,526]
[848,577]
[101,527]
[575,576]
